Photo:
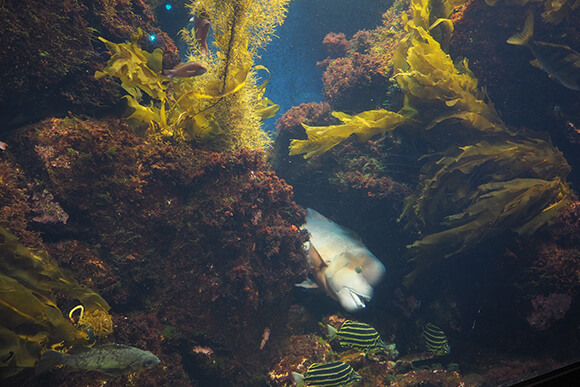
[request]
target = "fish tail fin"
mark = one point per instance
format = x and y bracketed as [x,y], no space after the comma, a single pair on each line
[48,360]
[331,332]
[298,378]
[525,36]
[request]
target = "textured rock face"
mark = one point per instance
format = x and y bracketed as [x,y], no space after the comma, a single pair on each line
[193,248]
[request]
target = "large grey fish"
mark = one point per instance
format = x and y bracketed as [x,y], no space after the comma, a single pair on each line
[341,264]
[110,359]
[561,62]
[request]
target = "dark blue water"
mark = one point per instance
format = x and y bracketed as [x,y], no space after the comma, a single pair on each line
[292,57]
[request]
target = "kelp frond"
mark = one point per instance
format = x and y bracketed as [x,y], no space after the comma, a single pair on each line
[30,284]
[223,108]
[364,125]
[518,205]
[427,75]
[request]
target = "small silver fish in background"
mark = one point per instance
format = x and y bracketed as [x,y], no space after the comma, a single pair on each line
[184,70]
[110,359]
[561,62]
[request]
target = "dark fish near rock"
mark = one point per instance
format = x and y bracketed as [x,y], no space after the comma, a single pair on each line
[201,25]
[561,62]
[184,70]
[111,359]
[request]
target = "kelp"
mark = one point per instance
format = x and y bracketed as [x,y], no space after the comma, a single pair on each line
[433,16]
[485,190]
[519,205]
[471,192]
[484,179]
[223,108]
[241,28]
[365,125]
[428,76]
[30,283]
[136,68]
[435,90]
[451,179]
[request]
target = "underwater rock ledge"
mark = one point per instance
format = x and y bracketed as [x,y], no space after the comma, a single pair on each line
[205,246]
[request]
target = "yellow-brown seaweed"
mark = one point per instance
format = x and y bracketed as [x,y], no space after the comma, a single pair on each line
[30,283]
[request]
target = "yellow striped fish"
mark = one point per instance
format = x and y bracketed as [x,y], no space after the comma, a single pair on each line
[335,373]
[435,340]
[357,335]
[561,62]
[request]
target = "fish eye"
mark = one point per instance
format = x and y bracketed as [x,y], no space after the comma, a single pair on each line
[358,269]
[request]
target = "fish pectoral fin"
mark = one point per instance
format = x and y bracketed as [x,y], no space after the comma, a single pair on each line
[536,63]
[114,372]
[308,284]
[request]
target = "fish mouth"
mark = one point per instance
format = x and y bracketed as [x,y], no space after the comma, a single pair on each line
[358,299]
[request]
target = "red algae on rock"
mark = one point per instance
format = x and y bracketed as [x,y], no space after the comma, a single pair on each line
[355,83]
[299,352]
[202,244]
[48,51]
[15,204]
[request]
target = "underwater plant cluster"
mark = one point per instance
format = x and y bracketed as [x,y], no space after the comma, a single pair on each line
[145,211]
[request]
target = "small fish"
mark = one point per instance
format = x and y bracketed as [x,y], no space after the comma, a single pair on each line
[335,373]
[201,25]
[435,340]
[265,337]
[357,335]
[207,351]
[184,70]
[561,62]
[110,359]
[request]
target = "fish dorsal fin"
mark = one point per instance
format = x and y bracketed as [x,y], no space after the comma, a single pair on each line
[84,349]
[332,332]
[79,349]
[113,346]
[525,37]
